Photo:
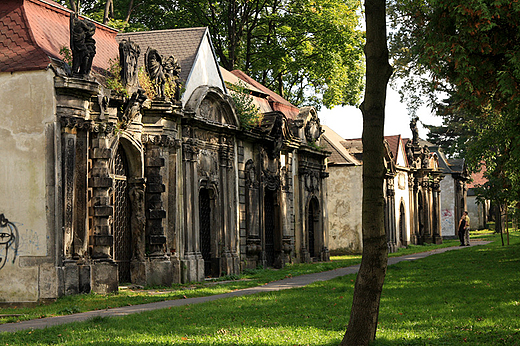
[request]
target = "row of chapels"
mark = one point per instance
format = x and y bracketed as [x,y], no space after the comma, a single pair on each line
[165,182]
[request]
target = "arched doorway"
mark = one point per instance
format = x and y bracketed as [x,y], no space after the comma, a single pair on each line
[122,249]
[205,229]
[313,218]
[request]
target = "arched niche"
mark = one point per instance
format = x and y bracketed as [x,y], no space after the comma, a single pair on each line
[212,105]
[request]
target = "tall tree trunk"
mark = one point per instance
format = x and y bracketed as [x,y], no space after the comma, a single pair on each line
[109,11]
[129,11]
[364,314]
[73,6]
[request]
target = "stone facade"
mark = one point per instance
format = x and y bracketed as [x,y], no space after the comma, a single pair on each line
[103,188]
[411,191]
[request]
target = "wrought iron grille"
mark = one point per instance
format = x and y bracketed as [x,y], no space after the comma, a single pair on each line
[205,229]
[122,232]
[269,221]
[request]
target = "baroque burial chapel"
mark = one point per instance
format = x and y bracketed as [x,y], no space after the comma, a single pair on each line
[146,184]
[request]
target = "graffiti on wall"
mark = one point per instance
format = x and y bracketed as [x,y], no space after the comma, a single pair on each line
[8,240]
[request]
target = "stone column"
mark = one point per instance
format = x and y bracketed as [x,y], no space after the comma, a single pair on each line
[158,266]
[192,262]
[104,274]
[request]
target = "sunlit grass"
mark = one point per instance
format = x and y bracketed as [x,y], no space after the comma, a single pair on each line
[470,295]
[87,302]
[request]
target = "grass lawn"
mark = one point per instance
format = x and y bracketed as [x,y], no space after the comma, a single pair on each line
[87,302]
[468,296]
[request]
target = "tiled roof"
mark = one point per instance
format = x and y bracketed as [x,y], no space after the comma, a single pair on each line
[32,31]
[181,43]
[278,103]
[393,144]
[334,143]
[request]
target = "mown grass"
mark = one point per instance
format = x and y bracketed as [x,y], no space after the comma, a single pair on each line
[125,297]
[468,296]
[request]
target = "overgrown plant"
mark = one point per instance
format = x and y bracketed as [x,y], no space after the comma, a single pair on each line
[248,113]
[113,78]
[66,54]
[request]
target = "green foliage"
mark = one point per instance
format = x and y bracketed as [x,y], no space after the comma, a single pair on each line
[66,54]
[247,112]
[468,51]
[113,78]
[308,51]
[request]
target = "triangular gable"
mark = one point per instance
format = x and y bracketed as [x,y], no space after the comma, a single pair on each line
[401,159]
[339,154]
[192,48]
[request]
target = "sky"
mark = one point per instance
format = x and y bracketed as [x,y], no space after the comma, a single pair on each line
[348,122]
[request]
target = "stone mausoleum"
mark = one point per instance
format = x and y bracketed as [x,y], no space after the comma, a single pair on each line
[106,179]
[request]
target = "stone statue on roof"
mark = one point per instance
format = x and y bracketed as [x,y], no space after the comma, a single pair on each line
[128,54]
[82,44]
[415,131]
[161,71]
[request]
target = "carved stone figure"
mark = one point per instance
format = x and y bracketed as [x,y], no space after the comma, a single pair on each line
[160,71]
[425,157]
[313,130]
[128,54]
[82,44]
[415,131]
[132,107]
[409,153]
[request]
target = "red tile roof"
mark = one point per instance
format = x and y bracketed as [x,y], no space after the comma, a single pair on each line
[277,102]
[393,144]
[32,31]
[477,179]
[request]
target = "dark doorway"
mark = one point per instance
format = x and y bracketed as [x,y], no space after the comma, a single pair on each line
[122,232]
[270,226]
[402,224]
[312,226]
[205,229]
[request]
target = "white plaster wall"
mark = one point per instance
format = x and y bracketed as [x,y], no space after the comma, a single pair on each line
[402,193]
[344,200]
[205,71]
[448,217]
[27,110]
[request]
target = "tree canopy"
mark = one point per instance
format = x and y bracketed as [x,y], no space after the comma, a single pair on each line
[467,52]
[308,51]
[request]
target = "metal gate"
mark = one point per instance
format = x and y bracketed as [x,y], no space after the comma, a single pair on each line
[311,229]
[270,225]
[122,233]
[205,229]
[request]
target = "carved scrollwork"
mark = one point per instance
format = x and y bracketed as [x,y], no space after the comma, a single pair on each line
[160,140]
[312,181]
[104,128]
[208,164]
[76,123]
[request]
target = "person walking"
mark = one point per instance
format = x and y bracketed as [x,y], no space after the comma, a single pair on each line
[464,229]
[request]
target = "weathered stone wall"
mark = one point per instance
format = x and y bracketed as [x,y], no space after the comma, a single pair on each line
[27,183]
[344,201]
[402,194]
[477,212]
[448,218]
